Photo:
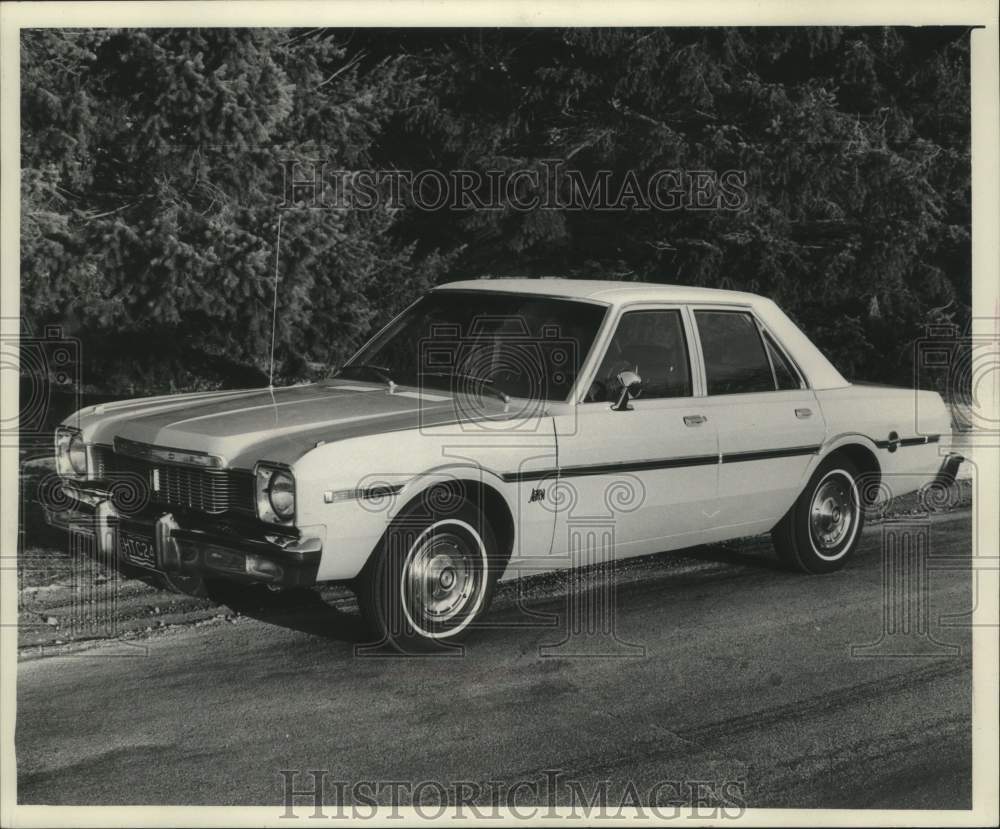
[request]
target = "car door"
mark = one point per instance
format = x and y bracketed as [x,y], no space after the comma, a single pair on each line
[769,424]
[648,472]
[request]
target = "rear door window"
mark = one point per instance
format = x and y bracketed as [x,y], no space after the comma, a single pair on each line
[735,359]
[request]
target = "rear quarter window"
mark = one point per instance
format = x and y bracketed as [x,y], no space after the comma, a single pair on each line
[785,375]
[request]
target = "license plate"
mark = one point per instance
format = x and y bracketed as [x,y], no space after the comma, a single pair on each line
[138,550]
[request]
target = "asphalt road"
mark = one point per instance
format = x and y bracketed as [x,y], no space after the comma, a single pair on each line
[746,681]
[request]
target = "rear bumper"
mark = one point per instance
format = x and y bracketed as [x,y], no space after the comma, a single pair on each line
[949,469]
[168,542]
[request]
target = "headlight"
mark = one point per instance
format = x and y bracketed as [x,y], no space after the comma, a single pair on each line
[281,494]
[78,455]
[275,494]
[71,452]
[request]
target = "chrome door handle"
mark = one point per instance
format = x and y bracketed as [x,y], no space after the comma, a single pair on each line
[802,414]
[694,420]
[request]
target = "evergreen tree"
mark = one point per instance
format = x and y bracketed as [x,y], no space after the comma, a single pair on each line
[153,163]
[854,142]
[153,178]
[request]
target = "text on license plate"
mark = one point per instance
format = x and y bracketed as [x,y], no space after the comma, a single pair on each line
[138,550]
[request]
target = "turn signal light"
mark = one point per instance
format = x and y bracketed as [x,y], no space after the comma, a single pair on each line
[257,566]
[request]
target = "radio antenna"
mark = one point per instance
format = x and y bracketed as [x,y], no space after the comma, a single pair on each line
[274,308]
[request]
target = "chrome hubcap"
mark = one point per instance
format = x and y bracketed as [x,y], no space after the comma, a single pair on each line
[441,578]
[834,511]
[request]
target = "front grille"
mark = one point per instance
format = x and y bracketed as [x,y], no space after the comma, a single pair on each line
[213,491]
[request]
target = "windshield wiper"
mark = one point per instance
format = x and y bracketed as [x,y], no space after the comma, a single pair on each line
[383,373]
[488,383]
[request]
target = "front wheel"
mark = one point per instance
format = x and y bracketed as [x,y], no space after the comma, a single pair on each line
[430,579]
[823,527]
[194,586]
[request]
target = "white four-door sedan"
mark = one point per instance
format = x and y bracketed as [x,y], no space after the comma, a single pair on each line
[497,428]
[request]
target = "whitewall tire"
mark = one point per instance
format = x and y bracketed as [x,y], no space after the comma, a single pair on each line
[822,529]
[431,577]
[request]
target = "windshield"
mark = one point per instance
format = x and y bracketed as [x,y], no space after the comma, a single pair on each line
[475,341]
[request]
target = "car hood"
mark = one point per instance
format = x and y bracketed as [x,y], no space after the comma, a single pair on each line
[276,425]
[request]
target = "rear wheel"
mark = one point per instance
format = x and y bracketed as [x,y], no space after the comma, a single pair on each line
[430,579]
[823,527]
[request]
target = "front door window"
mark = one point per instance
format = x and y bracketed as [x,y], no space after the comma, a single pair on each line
[652,344]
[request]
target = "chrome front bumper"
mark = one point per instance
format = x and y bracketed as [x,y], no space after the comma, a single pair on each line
[170,542]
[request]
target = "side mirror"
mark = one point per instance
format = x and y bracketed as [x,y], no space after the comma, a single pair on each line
[631,384]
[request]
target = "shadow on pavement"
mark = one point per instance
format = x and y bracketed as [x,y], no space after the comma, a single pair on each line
[756,554]
[296,609]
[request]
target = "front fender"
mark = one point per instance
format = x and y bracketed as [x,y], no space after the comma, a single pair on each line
[350,491]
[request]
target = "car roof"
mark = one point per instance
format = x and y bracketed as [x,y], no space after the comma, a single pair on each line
[819,371]
[600,290]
